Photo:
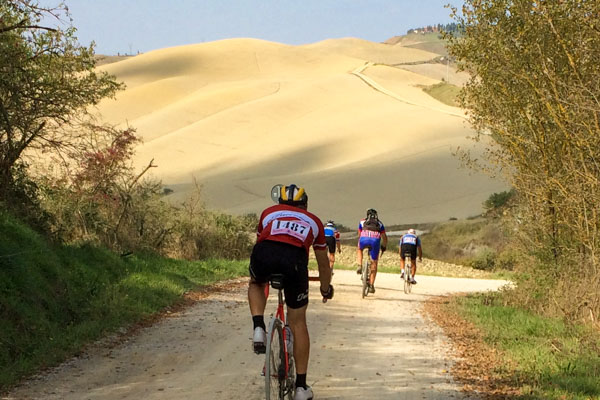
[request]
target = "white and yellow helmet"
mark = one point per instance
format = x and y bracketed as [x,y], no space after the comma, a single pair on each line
[293,195]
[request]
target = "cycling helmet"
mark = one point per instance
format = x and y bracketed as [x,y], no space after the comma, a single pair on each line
[412,231]
[293,195]
[371,212]
[330,223]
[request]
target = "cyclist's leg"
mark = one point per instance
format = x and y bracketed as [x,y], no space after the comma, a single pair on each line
[330,250]
[374,254]
[359,254]
[297,321]
[296,298]
[259,273]
[373,272]
[401,262]
[256,297]
[413,268]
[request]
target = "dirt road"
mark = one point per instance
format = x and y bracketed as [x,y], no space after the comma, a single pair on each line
[377,348]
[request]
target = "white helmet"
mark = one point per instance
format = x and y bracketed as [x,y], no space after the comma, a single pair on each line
[412,231]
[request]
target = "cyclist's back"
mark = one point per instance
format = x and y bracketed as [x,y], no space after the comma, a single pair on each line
[410,244]
[371,233]
[285,233]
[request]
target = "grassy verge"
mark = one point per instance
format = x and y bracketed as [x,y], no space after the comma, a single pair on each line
[56,299]
[543,357]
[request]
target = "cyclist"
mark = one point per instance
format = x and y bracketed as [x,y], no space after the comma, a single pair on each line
[371,233]
[285,234]
[332,237]
[410,243]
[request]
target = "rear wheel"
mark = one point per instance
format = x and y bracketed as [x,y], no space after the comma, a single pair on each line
[275,370]
[407,276]
[365,275]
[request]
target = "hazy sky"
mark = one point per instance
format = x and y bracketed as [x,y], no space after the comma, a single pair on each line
[129,26]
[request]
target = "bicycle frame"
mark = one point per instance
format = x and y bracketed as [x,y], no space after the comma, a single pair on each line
[280,314]
[282,376]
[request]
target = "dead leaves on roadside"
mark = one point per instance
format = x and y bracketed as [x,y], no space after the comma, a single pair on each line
[477,366]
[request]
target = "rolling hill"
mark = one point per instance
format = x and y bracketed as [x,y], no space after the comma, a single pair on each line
[240,115]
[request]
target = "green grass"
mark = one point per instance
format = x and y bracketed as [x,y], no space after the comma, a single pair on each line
[551,360]
[56,299]
[444,92]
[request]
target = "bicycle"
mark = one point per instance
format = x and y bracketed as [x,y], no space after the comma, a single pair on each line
[407,273]
[279,360]
[366,271]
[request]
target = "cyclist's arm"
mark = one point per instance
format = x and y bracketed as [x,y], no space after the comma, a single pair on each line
[324,270]
[420,252]
[383,239]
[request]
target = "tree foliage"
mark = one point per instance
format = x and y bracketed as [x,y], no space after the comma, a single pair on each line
[47,85]
[535,89]
[75,172]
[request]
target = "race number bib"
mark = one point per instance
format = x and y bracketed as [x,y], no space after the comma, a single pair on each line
[295,228]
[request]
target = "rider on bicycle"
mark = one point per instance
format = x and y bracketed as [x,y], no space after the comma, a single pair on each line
[285,234]
[371,233]
[410,243]
[332,237]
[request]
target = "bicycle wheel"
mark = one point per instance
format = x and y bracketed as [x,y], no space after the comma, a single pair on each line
[275,382]
[290,381]
[366,269]
[407,284]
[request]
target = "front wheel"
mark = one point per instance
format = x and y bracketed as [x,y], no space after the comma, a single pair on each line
[275,369]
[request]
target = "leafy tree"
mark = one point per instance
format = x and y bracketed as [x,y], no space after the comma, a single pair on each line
[497,200]
[535,89]
[47,85]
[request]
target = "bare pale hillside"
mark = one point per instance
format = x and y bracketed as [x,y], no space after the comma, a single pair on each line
[240,115]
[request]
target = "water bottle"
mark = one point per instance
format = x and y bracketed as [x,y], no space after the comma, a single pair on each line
[289,340]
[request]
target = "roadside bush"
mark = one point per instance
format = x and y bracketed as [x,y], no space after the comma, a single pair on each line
[507,260]
[485,259]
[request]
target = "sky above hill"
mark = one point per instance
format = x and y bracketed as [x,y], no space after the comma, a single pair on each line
[132,26]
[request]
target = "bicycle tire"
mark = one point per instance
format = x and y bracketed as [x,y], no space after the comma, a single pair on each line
[275,370]
[291,378]
[366,269]
[407,284]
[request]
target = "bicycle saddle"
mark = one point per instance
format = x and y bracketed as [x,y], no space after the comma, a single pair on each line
[276,281]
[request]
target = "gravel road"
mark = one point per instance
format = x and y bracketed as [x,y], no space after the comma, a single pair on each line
[378,348]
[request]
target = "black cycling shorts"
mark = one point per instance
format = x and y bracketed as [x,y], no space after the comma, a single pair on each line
[331,243]
[409,248]
[269,257]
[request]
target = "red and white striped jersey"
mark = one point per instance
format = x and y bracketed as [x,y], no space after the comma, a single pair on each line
[292,225]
